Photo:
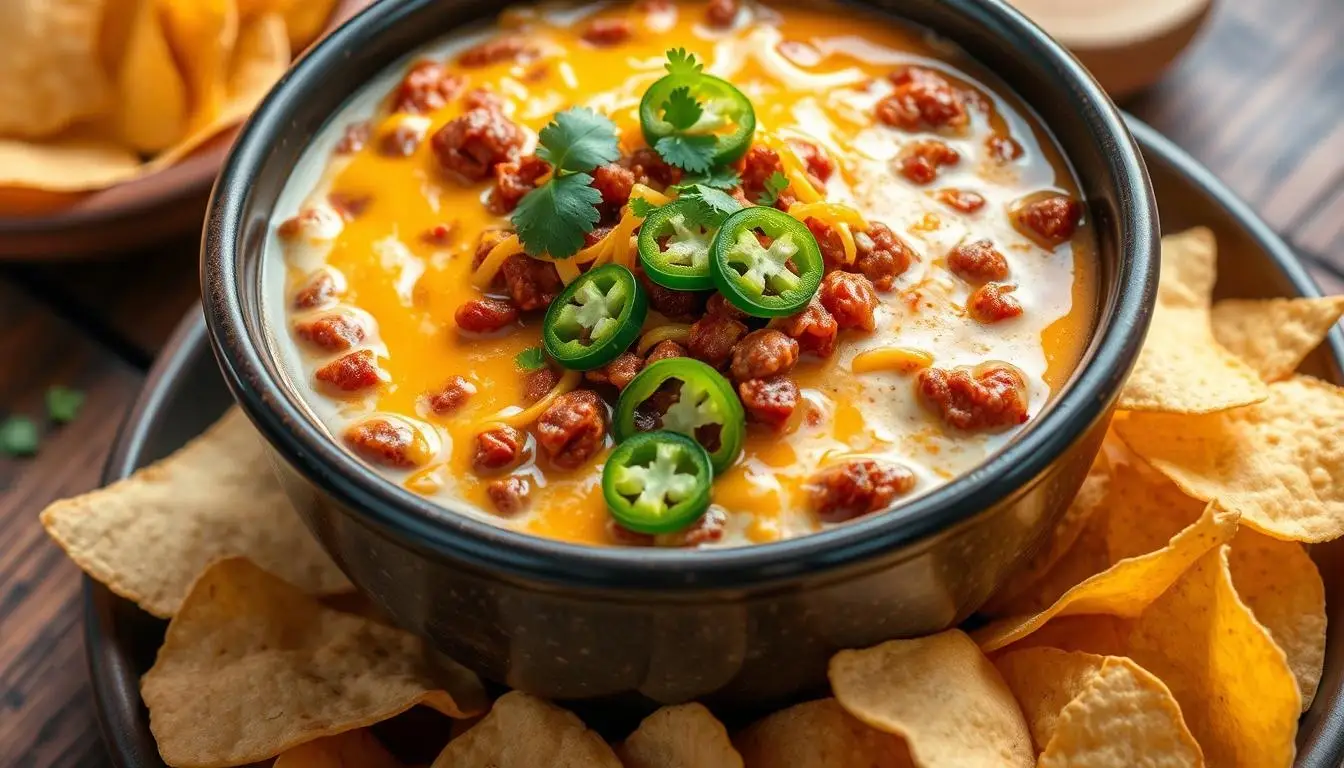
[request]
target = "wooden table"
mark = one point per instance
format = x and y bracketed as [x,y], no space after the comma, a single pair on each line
[1258,99]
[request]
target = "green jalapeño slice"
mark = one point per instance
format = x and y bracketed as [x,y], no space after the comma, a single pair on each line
[595,318]
[765,280]
[674,245]
[657,482]
[697,110]
[684,395]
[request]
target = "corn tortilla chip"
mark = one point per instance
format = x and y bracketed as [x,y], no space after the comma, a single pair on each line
[1281,585]
[1147,510]
[259,59]
[1092,633]
[523,731]
[1275,462]
[940,694]
[1126,588]
[819,734]
[1090,711]
[251,667]
[50,72]
[152,104]
[1181,368]
[1234,685]
[352,749]
[1273,336]
[681,736]
[1027,586]
[203,35]
[76,162]
[148,537]
[305,20]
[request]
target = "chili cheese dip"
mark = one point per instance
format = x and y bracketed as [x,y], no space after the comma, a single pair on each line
[681,274]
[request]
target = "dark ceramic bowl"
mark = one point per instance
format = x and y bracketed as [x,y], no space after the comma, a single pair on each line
[738,627]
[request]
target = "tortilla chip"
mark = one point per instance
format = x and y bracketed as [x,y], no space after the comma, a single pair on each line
[523,731]
[1126,588]
[682,736]
[203,35]
[259,59]
[1181,368]
[940,694]
[50,72]
[1147,510]
[1281,585]
[352,749]
[1275,462]
[151,95]
[148,537]
[1025,587]
[76,162]
[819,734]
[1045,582]
[1090,711]
[1273,336]
[252,667]
[305,20]
[1091,633]
[1233,683]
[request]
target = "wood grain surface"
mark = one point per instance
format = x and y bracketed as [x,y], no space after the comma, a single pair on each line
[1259,99]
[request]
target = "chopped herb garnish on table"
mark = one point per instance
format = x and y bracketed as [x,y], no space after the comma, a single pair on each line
[63,404]
[18,436]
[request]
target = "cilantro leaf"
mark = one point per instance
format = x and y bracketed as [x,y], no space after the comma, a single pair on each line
[554,217]
[718,178]
[689,153]
[530,359]
[18,436]
[642,208]
[681,63]
[717,204]
[578,140]
[63,404]
[776,183]
[681,109]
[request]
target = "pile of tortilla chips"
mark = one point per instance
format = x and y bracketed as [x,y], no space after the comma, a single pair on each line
[96,92]
[1175,618]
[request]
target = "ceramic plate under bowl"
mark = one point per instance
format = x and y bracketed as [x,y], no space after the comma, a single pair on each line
[185,393]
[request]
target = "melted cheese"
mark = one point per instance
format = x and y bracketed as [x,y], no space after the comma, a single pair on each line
[854,403]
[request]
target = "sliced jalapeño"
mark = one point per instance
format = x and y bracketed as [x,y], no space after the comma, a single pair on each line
[773,277]
[674,245]
[684,395]
[657,482]
[726,114]
[595,319]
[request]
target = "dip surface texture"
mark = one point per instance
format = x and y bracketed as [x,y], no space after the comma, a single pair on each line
[958,298]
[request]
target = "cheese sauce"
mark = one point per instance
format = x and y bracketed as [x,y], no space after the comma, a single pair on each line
[401,234]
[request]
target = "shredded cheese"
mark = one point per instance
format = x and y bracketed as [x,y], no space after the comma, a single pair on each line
[678,332]
[794,170]
[568,270]
[901,359]
[485,273]
[839,216]
[524,417]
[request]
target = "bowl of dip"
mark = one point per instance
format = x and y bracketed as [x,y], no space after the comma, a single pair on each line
[656,351]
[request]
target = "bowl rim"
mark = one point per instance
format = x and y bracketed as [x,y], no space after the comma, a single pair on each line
[241,347]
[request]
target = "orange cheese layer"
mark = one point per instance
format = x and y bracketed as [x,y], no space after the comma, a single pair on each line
[411,288]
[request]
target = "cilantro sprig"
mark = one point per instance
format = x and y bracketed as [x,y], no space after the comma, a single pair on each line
[553,218]
[774,184]
[530,359]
